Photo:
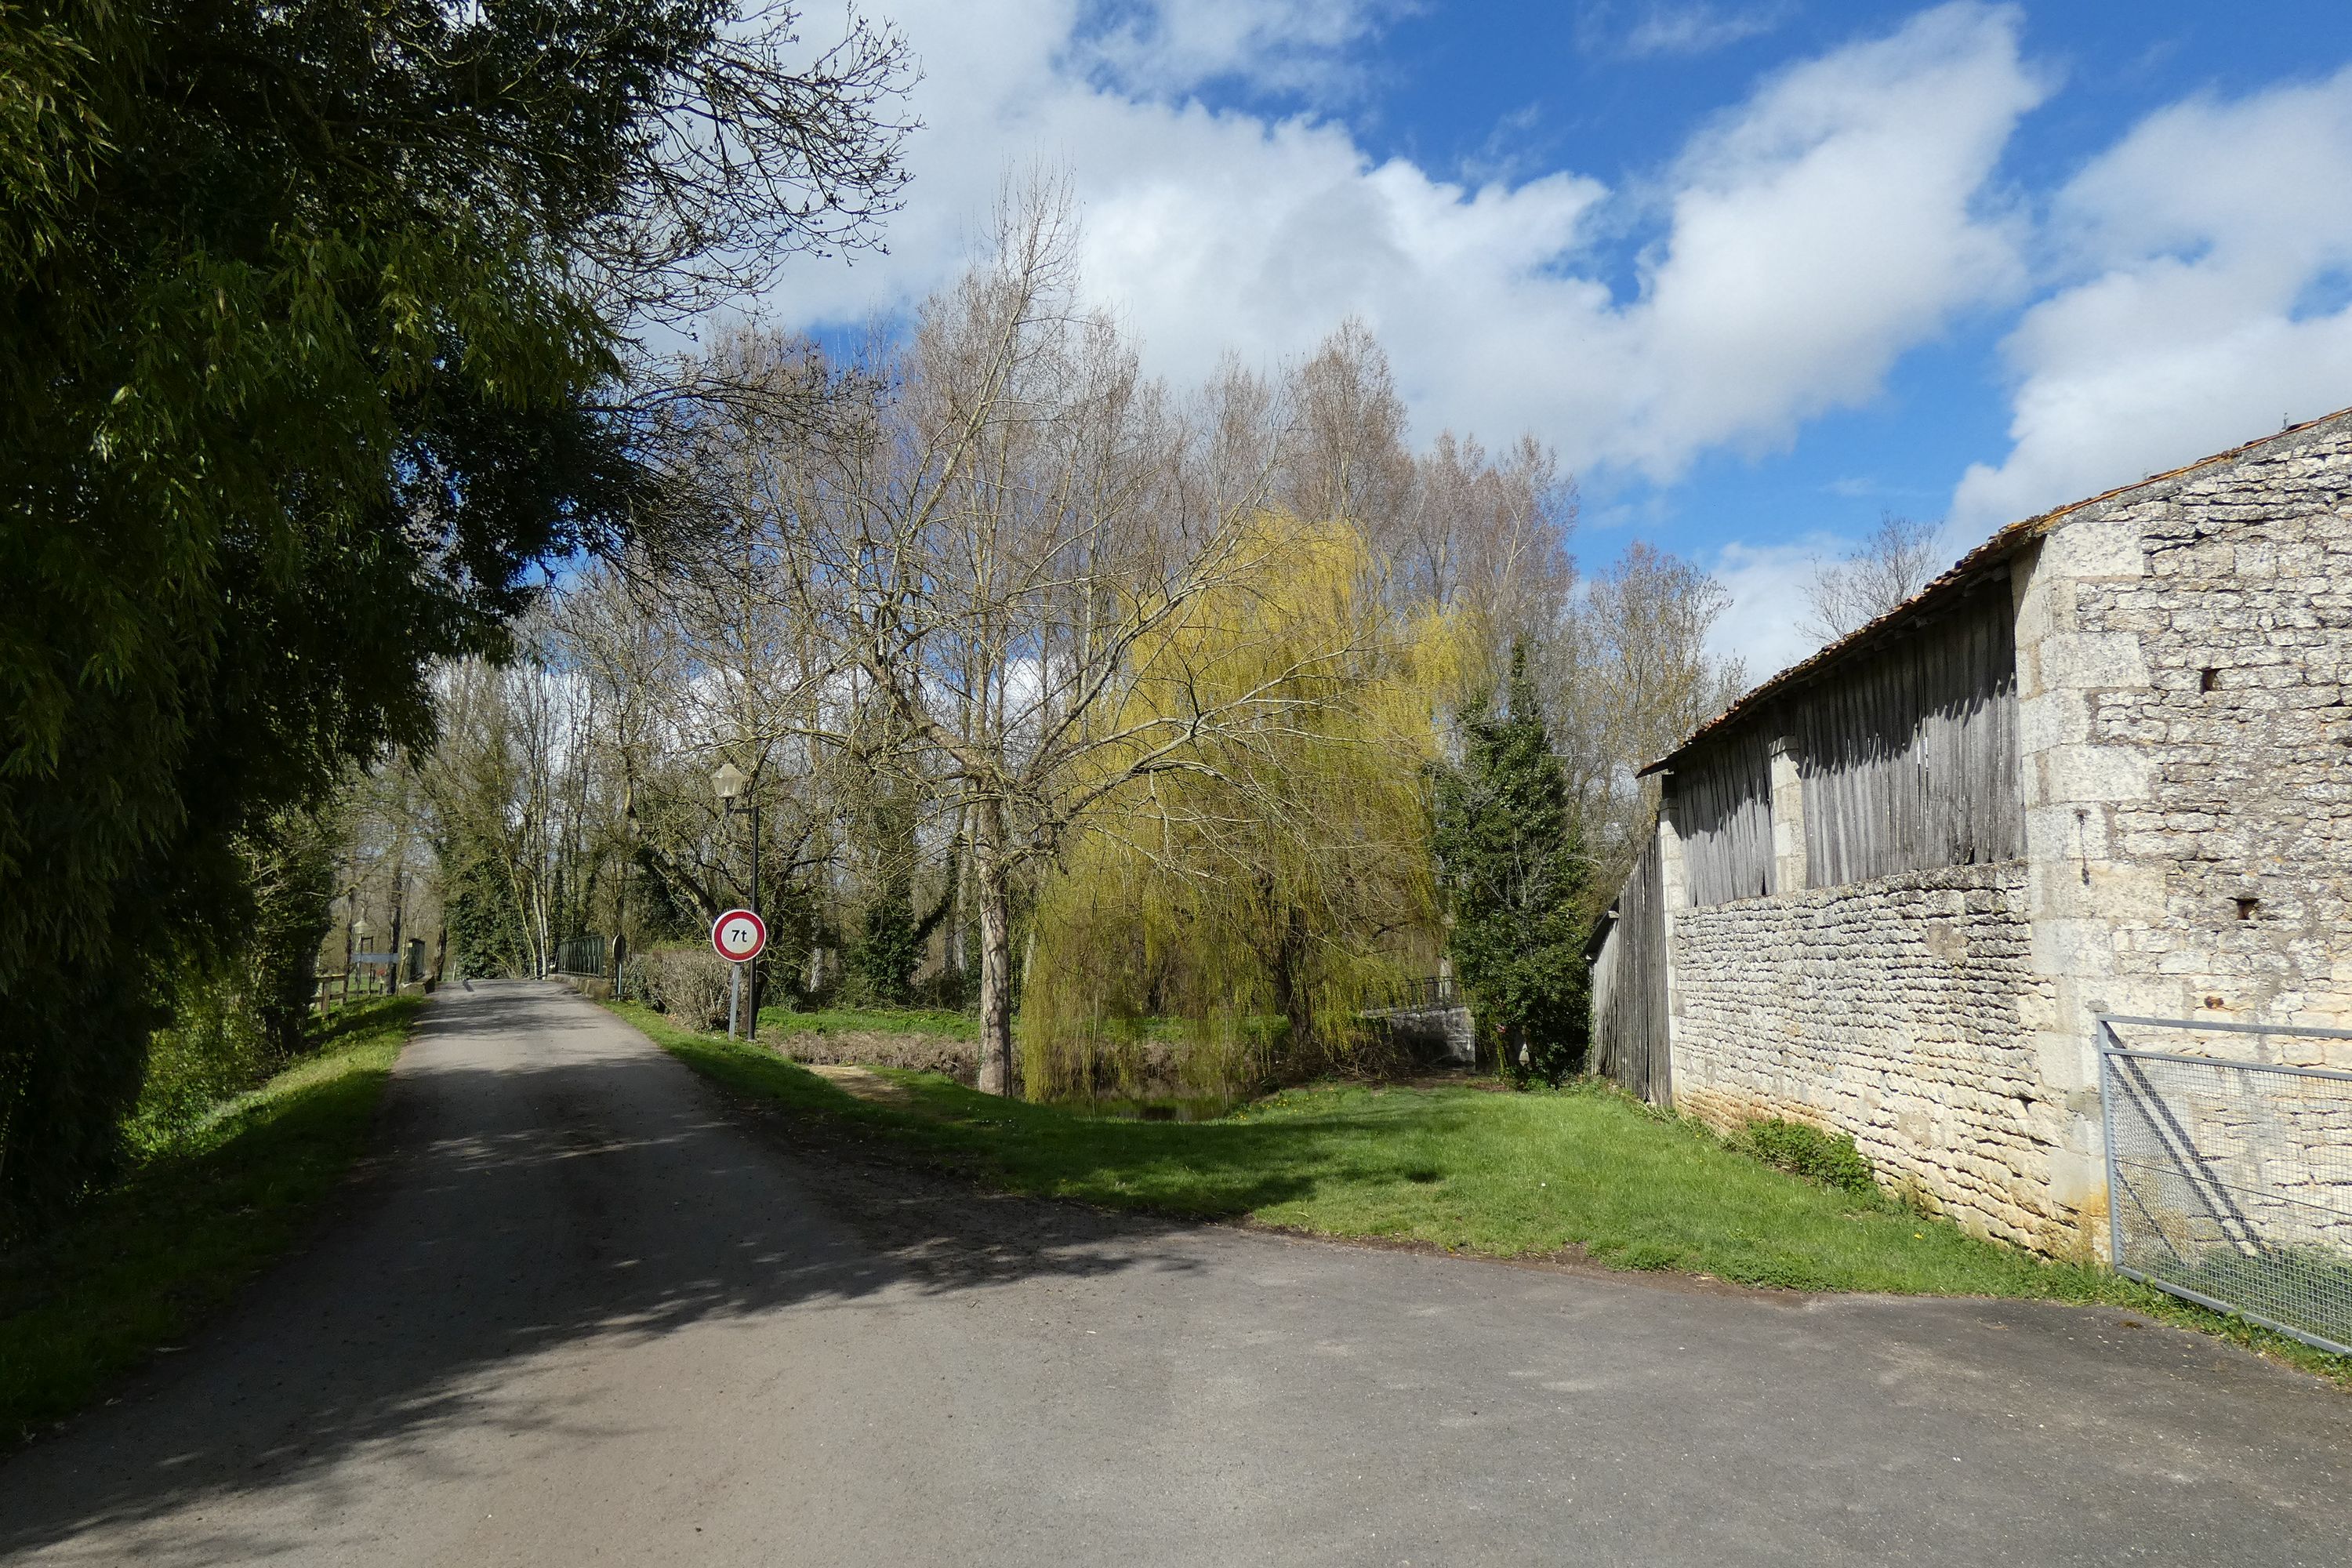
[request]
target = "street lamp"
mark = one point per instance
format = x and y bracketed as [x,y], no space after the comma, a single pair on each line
[359,928]
[730,783]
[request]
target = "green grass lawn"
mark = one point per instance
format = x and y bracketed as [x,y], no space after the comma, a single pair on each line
[136,1268]
[1581,1170]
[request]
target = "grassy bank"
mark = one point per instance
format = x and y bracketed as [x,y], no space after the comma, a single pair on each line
[1583,1170]
[783,1022]
[138,1266]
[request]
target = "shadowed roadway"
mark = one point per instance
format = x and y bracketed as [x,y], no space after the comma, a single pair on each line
[577,1312]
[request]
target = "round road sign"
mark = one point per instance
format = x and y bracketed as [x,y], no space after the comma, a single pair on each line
[740,935]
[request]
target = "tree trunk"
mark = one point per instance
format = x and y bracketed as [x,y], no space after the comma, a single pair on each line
[1285,965]
[992,888]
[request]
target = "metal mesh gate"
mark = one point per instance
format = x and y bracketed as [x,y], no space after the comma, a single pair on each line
[2229,1182]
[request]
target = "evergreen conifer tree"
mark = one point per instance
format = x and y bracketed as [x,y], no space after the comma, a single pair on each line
[1517,872]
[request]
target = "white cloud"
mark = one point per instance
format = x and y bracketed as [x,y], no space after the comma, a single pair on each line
[1158,48]
[1697,28]
[2200,243]
[1836,219]
[1847,211]
[1767,589]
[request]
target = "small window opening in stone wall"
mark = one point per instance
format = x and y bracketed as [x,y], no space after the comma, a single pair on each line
[2209,680]
[2248,908]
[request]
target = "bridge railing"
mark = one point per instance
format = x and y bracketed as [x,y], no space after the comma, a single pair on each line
[589,956]
[1426,995]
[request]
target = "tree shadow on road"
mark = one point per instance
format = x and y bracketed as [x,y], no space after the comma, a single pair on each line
[542,1180]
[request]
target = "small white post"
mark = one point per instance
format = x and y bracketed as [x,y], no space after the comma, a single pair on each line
[734,995]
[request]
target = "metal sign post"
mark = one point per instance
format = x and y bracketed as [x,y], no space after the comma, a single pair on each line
[739,936]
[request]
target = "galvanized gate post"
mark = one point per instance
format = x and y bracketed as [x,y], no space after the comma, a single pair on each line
[2236,1176]
[2107,1044]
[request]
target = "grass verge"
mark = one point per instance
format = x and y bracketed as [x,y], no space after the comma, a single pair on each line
[1583,1170]
[781,1023]
[137,1267]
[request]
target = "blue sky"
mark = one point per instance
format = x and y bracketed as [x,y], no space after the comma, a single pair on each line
[1757,270]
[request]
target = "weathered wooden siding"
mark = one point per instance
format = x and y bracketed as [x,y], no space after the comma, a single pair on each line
[1629,988]
[1909,756]
[1723,808]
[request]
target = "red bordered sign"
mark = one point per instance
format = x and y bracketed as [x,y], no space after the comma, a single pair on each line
[738,935]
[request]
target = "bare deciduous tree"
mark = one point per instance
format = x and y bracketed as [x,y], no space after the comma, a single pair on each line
[1894,561]
[1484,537]
[959,600]
[992,550]
[1628,675]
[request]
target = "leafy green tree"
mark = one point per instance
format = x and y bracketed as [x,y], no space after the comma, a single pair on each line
[1509,852]
[889,944]
[887,808]
[239,999]
[316,338]
[484,923]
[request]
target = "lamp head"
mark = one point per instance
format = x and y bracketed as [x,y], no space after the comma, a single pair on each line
[729,781]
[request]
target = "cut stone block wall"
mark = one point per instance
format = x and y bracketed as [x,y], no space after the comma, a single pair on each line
[2184,687]
[2240,616]
[1888,1010]
[2157,795]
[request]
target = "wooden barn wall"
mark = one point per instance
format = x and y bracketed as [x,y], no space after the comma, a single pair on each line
[1723,809]
[1909,757]
[1629,986]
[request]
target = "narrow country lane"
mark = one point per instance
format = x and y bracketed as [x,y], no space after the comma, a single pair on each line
[579,1313]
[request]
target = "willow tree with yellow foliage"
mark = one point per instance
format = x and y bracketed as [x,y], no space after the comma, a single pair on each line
[1267,877]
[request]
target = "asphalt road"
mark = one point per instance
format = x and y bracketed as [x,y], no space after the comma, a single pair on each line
[579,1312]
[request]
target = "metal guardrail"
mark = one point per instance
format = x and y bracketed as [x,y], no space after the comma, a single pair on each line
[2230,1182]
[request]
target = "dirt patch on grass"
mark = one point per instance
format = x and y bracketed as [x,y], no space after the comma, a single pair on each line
[959,1059]
[864,1083]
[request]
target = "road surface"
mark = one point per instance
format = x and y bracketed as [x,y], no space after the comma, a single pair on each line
[580,1312]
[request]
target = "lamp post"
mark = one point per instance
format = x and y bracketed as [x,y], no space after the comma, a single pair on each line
[732,782]
[399,898]
[359,930]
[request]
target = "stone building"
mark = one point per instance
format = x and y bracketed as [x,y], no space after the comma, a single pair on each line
[2102,765]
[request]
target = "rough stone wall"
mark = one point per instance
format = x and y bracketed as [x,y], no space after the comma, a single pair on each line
[1889,1010]
[1444,1032]
[2240,705]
